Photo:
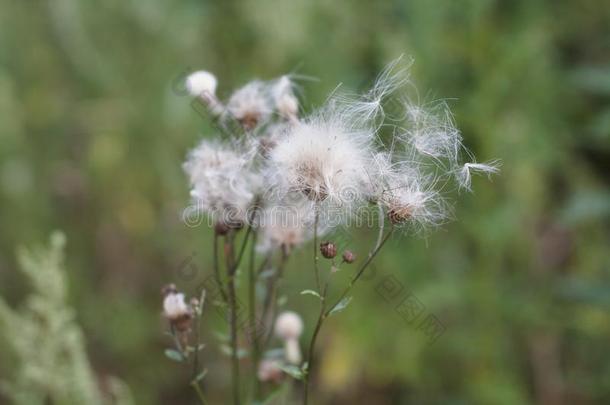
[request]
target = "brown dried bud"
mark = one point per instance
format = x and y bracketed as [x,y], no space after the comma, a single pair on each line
[182,323]
[328,250]
[398,214]
[249,121]
[221,228]
[349,256]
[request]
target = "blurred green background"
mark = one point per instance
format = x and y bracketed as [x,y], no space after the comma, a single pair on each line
[94,128]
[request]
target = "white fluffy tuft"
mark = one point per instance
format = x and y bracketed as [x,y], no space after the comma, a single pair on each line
[464,175]
[288,325]
[201,83]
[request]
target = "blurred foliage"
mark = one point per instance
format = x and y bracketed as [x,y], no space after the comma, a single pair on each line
[94,127]
[50,360]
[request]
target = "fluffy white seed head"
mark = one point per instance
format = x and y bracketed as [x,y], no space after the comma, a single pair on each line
[288,325]
[174,306]
[201,83]
[323,160]
[223,183]
[286,103]
[250,105]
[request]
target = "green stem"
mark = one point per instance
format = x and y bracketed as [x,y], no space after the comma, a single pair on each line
[360,271]
[270,305]
[315,246]
[252,319]
[200,395]
[219,285]
[321,317]
[324,313]
[231,267]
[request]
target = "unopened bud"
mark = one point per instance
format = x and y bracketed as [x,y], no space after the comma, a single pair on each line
[328,250]
[349,256]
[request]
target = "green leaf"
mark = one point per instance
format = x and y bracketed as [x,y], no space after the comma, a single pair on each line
[293,371]
[226,350]
[174,355]
[310,292]
[341,305]
[200,376]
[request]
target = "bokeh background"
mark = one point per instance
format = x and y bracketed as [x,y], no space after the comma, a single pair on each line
[94,128]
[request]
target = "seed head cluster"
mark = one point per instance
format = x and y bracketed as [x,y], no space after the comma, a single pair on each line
[278,170]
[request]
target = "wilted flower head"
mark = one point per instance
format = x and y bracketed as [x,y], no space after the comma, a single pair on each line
[223,183]
[177,311]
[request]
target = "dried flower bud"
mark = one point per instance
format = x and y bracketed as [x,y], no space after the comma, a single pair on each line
[249,121]
[349,256]
[221,228]
[177,312]
[328,250]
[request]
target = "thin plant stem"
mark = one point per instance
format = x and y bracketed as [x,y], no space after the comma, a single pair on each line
[315,246]
[252,318]
[325,312]
[219,285]
[360,271]
[242,248]
[200,395]
[310,358]
[231,267]
[270,305]
[381,221]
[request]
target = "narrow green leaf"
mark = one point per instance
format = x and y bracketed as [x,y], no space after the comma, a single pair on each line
[200,376]
[341,305]
[174,355]
[310,292]
[293,371]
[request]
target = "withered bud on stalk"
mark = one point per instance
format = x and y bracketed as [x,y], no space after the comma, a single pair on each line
[175,309]
[349,256]
[328,250]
